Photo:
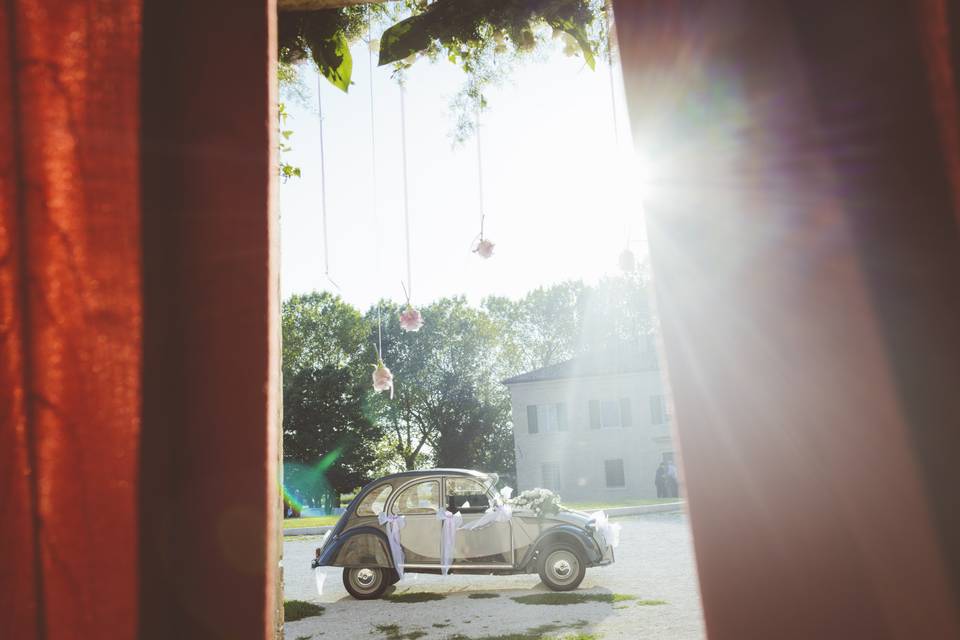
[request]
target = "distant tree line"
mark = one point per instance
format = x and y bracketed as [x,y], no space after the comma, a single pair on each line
[450,408]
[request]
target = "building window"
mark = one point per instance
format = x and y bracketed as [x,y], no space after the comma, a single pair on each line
[658,410]
[551,475]
[610,413]
[546,418]
[614,472]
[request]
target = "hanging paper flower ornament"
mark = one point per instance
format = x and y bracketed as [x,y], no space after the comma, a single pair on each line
[484,249]
[382,378]
[627,261]
[410,319]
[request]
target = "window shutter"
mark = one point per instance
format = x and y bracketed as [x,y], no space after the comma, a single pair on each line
[561,417]
[594,414]
[656,409]
[613,469]
[532,426]
[626,420]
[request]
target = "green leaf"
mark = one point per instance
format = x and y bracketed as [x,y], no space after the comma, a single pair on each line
[404,38]
[333,58]
[579,34]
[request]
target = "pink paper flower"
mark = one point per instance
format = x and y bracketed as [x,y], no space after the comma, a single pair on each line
[484,249]
[410,319]
[382,378]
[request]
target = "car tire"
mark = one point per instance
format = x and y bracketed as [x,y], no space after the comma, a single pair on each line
[561,567]
[366,583]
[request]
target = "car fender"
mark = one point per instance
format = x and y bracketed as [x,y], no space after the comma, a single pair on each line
[566,533]
[359,547]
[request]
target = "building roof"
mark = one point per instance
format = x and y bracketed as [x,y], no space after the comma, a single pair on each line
[606,363]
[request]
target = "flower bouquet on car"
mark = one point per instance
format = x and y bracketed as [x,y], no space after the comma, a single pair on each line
[541,502]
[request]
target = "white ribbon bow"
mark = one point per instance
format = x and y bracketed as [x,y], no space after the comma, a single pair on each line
[319,578]
[496,513]
[394,524]
[609,531]
[451,522]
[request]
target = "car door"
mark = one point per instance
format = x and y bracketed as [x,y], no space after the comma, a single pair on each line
[418,502]
[488,546]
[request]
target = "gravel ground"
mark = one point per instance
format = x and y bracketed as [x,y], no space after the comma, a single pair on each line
[654,562]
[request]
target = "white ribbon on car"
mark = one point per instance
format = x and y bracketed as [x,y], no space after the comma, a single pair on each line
[496,513]
[394,524]
[609,531]
[319,577]
[448,538]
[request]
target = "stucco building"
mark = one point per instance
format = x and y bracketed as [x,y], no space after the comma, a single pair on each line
[593,428]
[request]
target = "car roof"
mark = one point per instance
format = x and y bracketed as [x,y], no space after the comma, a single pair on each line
[433,472]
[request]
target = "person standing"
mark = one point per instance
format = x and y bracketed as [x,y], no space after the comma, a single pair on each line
[660,479]
[673,480]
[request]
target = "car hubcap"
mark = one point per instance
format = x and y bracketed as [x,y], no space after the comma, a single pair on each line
[365,579]
[563,566]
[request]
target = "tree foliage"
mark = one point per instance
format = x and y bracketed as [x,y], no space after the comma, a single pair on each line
[552,324]
[448,400]
[320,329]
[327,436]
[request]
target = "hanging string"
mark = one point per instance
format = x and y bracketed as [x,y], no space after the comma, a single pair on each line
[613,93]
[373,175]
[479,168]
[406,202]
[323,185]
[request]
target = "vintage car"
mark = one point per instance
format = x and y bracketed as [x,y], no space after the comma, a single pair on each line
[559,547]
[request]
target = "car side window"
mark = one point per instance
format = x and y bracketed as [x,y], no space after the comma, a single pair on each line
[421,497]
[375,501]
[466,491]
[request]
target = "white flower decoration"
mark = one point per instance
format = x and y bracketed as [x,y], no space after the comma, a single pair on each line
[374,45]
[410,319]
[382,378]
[484,249]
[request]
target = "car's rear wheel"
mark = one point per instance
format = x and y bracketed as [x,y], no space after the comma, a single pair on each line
[366,583]
[562,567]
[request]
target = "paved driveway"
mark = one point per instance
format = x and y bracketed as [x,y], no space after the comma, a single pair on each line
[654,562]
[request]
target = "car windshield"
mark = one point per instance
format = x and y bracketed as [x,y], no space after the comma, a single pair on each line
[489,481]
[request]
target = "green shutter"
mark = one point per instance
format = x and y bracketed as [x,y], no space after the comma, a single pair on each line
[626,420]
[532,426]
[594,414]
[656,409]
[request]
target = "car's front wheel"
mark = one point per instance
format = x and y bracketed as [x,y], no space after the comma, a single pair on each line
[366,583]
[562,567]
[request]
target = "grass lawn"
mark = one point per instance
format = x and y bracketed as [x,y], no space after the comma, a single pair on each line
[298,610]
[628,502]
[313,521]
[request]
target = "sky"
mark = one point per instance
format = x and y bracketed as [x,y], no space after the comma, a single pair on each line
[548,152]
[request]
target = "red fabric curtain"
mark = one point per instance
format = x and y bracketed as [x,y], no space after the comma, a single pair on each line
[138,320]
[70,308]
[799,159]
